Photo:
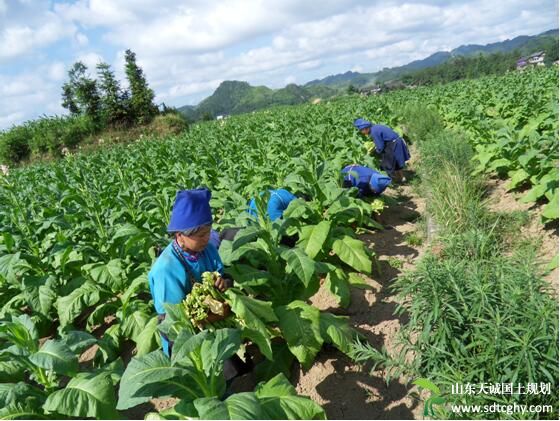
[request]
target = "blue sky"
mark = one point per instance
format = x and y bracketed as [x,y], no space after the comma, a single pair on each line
[187,48]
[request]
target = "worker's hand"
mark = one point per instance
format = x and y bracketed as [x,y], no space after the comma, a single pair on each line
[222,284]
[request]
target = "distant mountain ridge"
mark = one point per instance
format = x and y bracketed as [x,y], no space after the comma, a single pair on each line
[525,43]
[235,97]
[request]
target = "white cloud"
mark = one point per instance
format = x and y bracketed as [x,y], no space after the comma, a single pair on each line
[81,39]
[180,90]
[8,120]
[56,71]
[289,79]
[187,48]
[19,38]
[310,64]
[91,60]
[96,12]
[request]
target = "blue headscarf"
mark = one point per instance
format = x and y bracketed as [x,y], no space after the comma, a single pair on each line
[360,124]
[190,210]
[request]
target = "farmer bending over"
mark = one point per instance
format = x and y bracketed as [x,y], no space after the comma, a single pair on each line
[369,182]
[277,204]
[392,148]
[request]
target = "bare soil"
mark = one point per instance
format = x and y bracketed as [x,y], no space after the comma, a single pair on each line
[343,388]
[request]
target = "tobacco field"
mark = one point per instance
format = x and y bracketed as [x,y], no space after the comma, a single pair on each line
[79,235]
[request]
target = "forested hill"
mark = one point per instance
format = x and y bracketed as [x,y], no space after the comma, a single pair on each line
[235,97]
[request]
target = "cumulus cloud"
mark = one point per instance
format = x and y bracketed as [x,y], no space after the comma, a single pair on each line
[11,119]
[29,26]
[188,48]
[56,71]
[81,39]
[91,60]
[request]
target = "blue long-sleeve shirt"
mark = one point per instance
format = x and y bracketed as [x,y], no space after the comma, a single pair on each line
[169,281]
[382,134]
[368,181]
[277,204]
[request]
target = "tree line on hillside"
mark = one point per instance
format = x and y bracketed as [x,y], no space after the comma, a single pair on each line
[94,105]
[462,67]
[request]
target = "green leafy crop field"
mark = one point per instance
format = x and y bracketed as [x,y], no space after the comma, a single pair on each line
[78,237]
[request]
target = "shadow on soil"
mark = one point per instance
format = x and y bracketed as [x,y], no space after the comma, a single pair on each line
[353,391]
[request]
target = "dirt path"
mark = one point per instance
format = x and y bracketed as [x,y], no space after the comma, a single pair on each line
[343,388]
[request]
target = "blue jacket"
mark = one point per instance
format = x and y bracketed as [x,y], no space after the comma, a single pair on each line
[369,182]
[277,204]
[389,144]
[168,278]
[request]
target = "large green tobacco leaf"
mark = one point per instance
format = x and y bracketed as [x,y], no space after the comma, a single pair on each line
[240,406]
[281,362]
[40,293]
[534,194]
[260,339]
[12,393]
[353,253]
[300,264]
[255,313]
[248,276]
[300,326]
[313,237]
[337,283]
[550,211]
[357,281]
[202,356]
[516,178]
[11,370]
[133,325]
[55,356]
[336,330]
[147,375]
[147,340]
[78,341]
[86,395]
[216,348]
[30,410]
[10,267]
[297,208]
[500,164]
[111,274]
[279,400]
[136,285]
[70,306]
[246,235]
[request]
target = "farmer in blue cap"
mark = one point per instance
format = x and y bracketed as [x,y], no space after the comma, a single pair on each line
[277,204]
[392,148]
[369,182]
[191,253]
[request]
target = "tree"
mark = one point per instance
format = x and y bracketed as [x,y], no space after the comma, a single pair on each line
[80,95]
[114,101]
[352,89]
[141,96]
